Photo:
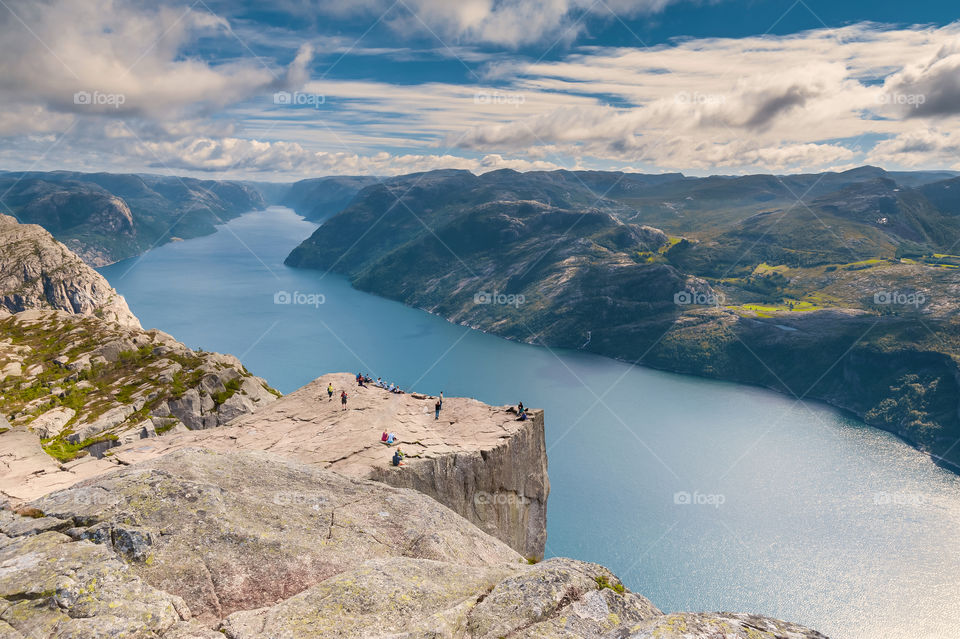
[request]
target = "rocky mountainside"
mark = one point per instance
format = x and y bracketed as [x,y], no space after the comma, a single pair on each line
[850,297]
[201,544]
[320,198]
[106,217]
[36,271]
[81,384]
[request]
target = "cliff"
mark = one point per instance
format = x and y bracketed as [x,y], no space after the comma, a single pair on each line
[201,544]
[478,460]
[36,271]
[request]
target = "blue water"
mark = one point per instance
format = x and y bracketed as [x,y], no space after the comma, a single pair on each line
[797,511]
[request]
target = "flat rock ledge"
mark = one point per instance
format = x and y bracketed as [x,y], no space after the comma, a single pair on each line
[199,544]
[477,460]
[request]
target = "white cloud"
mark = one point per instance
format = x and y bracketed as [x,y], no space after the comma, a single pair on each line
[290,158]
[510,23]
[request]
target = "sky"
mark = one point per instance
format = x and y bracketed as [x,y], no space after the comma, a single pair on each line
[284,90]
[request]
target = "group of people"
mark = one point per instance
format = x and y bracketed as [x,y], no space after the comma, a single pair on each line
[343,396]
[393,388]
[389,439]
[521,413]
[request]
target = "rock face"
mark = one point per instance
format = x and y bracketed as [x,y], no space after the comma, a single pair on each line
[476,459]
[75,381]
[203,544]
[36,271]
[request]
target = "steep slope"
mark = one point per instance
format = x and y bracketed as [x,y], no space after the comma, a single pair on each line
[36,271]
[320,198]
[106,217]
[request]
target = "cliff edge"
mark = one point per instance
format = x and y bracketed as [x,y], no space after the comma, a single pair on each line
[476,459]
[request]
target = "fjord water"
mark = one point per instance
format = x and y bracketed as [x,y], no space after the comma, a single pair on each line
[701,495]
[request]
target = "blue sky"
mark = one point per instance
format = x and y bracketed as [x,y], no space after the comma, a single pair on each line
[295,89]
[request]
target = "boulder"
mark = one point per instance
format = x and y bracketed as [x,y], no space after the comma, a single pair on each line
[50,423]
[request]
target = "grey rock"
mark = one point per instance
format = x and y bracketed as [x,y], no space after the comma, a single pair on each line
[50,423]
[36,271]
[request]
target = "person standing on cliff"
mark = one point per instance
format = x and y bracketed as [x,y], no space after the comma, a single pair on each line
[343,400]
[440,401]
[437,407]
[330,391]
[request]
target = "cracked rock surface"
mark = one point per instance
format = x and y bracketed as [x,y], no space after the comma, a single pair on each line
[201,543]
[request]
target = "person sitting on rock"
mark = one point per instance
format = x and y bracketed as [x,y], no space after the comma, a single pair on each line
[397,458]
[390,439]
[383,437]
[523,416]
[379,382]
[520,407]
[343,400]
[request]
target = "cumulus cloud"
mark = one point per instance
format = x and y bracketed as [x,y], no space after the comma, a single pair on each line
[923,146]
[243,155]
[931,88]
[111,57]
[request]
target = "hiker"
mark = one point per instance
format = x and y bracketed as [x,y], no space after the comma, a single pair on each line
[330,391]
[437,407]
[441,399]
[360,379]
[397,458]
[520,407]
[383,437]
[343,400]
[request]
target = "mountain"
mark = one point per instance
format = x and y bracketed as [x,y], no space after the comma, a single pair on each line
[844,296]
[106,217]
[37,272]
[320,198]
[138,500]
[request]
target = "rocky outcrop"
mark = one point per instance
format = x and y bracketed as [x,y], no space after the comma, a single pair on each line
[246,545]
[502,489]
[75,384]
[38,272]
[476,459]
